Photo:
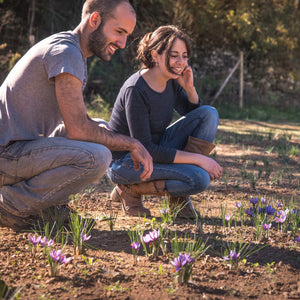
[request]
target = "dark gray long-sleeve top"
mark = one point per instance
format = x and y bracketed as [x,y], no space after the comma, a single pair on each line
[144,114]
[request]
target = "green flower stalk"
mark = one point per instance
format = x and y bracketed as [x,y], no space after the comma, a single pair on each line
[135,249]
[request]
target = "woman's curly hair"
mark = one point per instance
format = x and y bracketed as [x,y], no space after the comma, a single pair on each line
[160,40]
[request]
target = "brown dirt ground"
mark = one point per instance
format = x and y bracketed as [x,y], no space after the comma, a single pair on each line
[243,147]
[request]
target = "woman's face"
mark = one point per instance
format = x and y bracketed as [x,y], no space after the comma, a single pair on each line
[177,62]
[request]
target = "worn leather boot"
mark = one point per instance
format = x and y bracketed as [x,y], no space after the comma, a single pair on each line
[196,145]
[130,196]
[183,207]
[14,222]
[131,201]
[154,188]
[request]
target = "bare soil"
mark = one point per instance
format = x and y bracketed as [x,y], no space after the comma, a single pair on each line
[267,151]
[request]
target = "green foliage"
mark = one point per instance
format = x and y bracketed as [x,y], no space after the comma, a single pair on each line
[266,30]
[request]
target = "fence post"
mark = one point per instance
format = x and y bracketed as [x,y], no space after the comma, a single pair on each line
[241,79]
[225,82]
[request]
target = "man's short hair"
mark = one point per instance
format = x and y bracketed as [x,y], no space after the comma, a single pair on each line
[103,7]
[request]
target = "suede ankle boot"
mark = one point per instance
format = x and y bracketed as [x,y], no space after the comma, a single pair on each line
[183,207]
[130,196]
[131,201]
[153,188]
[14,222]
[196,145]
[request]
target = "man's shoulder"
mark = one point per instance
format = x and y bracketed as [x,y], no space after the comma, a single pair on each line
[62,41]
[64,45]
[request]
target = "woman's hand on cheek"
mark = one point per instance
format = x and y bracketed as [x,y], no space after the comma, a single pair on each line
[186,79]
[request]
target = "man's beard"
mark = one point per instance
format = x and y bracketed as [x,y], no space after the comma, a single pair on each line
[97,43]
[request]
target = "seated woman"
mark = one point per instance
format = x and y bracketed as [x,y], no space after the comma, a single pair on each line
[144,109]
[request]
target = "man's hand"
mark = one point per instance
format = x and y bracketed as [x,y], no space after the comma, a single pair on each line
[139,154]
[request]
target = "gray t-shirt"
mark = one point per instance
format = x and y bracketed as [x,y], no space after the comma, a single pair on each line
[28,104]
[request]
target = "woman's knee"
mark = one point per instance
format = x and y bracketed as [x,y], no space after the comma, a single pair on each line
[200,182]
[210,112]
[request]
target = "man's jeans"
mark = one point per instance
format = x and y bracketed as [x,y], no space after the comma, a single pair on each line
[181,179]
[38,174]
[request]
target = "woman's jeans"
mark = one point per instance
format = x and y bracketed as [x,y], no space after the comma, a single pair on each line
[38,174]
[181,179]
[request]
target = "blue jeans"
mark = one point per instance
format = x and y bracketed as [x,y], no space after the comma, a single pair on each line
[38,174]
[181,179]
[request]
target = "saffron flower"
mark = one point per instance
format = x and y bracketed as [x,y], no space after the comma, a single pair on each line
[151,236]
[264,200]
[279,204]
[281,216]
[135,245]
[238,204]
[55,255]
[182,260]
[64,260]
[298,239]
[179,262]
[135,249]
[46,244]
[43,241]
[164,211]
[34,240]
[227,217]
[253,201]
[183,266]
[233,256]
[250,212]
[269,210]
[56,258]
[50,243]
[267,226]
[84,237]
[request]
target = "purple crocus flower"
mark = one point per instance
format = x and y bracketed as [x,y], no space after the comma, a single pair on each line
[238,204]
[64,260]
[55,255]
[253,201]
[279,204]
[164,211]
[135,245]
[43,241]
[281,216]
[250,212]
[227,217]
[264,200]
[151,236]
[267,226]
[85,237]
[182,260]
[298,239]
[190,259]
[270,210]
[34,240]
[50,243]
[296,211]
[232,255]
